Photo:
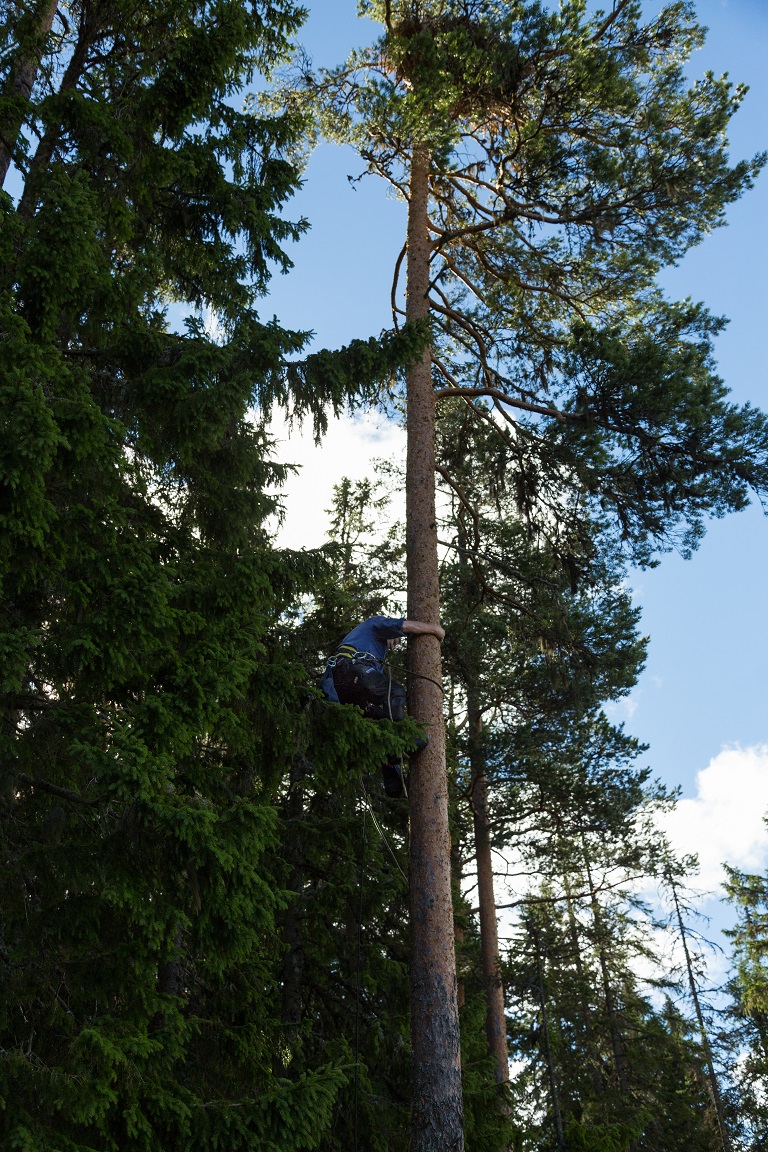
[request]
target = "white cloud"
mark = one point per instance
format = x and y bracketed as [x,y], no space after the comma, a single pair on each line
[619,711]
[724,821]
[347,449]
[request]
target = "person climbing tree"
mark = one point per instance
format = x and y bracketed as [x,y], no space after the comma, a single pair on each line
[357,674]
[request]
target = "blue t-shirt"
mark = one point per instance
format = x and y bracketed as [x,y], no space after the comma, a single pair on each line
[371,636]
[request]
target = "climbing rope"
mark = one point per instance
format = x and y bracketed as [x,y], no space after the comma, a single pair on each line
[359,957]
[421,676]
[389,709]
[381,832]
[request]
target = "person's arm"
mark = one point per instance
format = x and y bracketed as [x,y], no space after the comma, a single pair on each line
[416,628]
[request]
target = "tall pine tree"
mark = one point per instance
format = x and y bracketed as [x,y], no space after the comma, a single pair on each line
[553,161]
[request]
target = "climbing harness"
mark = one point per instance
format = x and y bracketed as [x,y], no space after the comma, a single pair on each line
[347,652]
[362,673]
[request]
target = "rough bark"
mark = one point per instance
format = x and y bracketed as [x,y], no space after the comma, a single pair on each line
[24,75]
[437,1112]
[495,1020]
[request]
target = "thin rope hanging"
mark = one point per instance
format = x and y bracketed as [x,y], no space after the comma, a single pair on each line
[389,709]
[359,961]
[381,832]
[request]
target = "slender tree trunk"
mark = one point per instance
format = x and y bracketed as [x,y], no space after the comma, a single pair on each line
[617,1040]
[460,910]
[22,83]
[495,1019]
[41,161]
[714,1087]
[547,1044]
[437,1112]
[586,1023]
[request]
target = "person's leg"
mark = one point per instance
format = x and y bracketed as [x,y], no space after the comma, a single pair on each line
[363,684]
[391,774]
[381,698]
[386,698]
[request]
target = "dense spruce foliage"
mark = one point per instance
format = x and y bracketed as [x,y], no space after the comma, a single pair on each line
[151,707]
[204,898]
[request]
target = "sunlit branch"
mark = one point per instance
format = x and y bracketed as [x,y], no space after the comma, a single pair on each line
[495,393]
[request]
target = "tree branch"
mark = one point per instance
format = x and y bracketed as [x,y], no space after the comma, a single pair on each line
[62,793]
[495,393]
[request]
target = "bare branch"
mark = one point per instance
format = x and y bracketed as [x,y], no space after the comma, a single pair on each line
[62,793]
[590,893]
[395,278]
[496,394]
[619,8]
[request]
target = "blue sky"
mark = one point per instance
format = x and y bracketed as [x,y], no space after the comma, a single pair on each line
[706,682]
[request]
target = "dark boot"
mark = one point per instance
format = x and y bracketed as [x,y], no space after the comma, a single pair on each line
[392,777]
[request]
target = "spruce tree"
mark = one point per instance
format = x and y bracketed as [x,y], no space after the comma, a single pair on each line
[347,960]
[152,704]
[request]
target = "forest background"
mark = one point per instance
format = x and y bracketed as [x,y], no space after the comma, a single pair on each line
[191,957]
[700,702]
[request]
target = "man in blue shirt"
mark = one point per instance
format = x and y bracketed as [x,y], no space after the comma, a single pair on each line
[356,674]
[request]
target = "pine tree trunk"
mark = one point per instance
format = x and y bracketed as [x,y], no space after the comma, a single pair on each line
[460,910]
[617,1039]
[22,83]
[547,1044]
[495,1019]
[437,1112]
[714,1087]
